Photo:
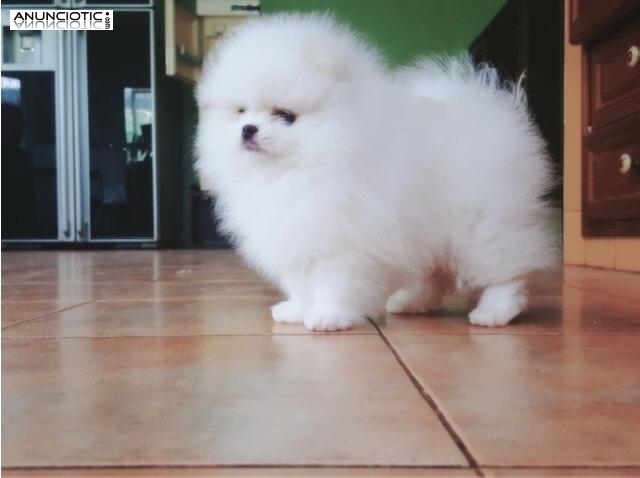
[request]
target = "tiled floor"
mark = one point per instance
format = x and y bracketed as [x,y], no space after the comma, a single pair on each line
[153,363]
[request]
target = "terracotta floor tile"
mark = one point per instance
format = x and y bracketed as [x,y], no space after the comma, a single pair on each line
[200,375]
[618,284]
[249,472]
[61,292]
[115,266]
[16,312]
[582,273]
[79,291]
[609,472]
[617,289]
[570,310]
[164,318]
[103,266]
[117,273]
[535,400]
[186,290]
[216,400]
[35,260]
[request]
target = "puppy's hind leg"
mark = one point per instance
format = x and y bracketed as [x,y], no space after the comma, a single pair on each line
[420,297]
[411,299]
[500,303]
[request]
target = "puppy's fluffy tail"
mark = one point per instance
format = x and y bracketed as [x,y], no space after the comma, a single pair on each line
[449,78]
[508,157]
[484,101]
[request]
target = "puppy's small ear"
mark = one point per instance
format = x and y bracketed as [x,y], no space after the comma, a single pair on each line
[334,66]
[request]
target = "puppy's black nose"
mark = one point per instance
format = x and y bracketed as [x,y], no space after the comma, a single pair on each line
[249,131]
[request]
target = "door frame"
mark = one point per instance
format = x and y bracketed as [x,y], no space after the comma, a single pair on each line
[53,55]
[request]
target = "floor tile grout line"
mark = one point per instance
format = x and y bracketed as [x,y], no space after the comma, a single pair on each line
[560,467]
[137,282]
[138,299]
[511,334]
[312,466]
[98,300]
[601,292]
[39,316]
[193,336]
[301,334]
[187,299]
[473,463]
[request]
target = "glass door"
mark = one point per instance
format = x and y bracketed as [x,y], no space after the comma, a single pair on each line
[120,130]
[36,199]
[28,3]
[78,139]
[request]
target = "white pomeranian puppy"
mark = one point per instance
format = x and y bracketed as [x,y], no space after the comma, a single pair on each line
[352,187]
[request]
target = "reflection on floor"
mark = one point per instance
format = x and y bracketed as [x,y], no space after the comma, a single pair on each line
[167,363]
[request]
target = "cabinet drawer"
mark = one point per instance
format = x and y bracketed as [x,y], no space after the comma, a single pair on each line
[607,180]
[611,195]
[591,19]
[614,70]
[614,66]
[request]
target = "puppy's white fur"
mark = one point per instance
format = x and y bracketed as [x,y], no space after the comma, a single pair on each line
[384,184]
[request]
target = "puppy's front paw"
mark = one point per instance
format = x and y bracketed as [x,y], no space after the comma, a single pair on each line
[288,312]
[330,320]
[499,304]
[490,318]
[496,313]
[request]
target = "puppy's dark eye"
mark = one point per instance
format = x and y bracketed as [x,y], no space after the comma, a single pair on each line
[241,110]
[287,116]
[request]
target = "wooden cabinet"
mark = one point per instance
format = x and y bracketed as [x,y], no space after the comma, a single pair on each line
[193,27]
[614,81]
[609,31]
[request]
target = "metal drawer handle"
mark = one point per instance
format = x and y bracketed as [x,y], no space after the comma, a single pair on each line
[633,56]
[626,163]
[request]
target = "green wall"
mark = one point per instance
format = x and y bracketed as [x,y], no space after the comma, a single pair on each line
[405,29]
